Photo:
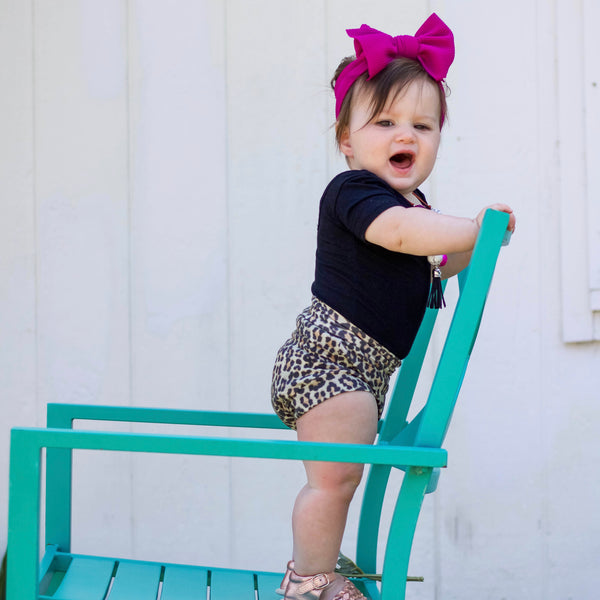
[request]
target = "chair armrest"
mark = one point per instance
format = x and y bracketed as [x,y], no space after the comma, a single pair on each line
[62,416]
[252,448]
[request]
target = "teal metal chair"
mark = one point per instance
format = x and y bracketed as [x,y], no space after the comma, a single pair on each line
[414,447]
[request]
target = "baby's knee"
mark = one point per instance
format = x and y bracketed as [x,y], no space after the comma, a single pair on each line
[344,478]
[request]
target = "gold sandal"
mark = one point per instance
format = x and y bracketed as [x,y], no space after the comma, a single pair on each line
[323,586]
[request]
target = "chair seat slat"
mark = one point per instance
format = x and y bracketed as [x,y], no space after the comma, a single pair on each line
[267,584]
[184,583]
[232,585]
[85,579]
[136,581]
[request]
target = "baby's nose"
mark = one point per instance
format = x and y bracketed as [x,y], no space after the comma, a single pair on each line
[404,133]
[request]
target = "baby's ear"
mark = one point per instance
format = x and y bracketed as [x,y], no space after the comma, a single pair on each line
[345,144]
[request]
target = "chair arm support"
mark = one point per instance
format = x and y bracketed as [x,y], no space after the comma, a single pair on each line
[62,415]
[251,448]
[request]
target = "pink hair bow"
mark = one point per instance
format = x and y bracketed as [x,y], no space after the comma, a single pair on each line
[432,46]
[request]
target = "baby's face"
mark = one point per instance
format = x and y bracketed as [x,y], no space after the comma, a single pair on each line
[400,144]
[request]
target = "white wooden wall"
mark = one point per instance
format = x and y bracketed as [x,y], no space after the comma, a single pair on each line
[160,169]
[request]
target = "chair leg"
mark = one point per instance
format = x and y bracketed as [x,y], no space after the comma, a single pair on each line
[370,516]
[59,482]
[23,547]
[402,531]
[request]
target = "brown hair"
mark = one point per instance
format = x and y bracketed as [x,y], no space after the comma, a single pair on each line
[396,76]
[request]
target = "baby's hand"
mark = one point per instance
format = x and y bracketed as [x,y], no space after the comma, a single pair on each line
[512,221]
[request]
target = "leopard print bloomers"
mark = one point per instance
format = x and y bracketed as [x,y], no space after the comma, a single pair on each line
[325,356]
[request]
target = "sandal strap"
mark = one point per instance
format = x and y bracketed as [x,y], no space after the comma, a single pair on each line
[316,582]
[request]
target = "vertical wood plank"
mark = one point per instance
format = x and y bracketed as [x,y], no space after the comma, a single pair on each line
[577,319]
[487,157]
[277,133]
[277,130]
[547,236]
[179,235]
[575,376]
[17,231]
[81,171]
[179,265]
[591,85]
[81,183]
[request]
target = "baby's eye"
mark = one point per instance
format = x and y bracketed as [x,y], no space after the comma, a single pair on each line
[384,123]
[422,127]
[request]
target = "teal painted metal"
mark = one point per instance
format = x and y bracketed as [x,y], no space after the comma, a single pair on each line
[462,333]
[414,447]
[406,382]
[232,585]
[59,465]
[66,413]
[369,588]
[136,581]
[401,534]
[59,461]
[267,583]
[428,428]
[23,519]
[370,518]
[396,431]
[53,568]
[249,448]
[184,583]
[86,579]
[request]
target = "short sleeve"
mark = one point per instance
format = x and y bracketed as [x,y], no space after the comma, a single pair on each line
[360,199]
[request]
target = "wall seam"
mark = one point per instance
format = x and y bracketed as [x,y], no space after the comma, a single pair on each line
[544,525]
[228,325]
[34,203]
[129,151]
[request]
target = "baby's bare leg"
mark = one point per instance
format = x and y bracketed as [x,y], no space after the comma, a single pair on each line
[321,508]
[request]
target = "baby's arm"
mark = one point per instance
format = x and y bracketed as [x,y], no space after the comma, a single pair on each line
[456,263]
[424,233]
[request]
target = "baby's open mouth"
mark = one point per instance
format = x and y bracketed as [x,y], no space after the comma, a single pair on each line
[403,159]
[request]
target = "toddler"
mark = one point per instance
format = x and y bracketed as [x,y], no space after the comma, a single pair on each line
[372,278]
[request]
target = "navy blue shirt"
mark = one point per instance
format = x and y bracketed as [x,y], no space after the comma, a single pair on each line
[382,292]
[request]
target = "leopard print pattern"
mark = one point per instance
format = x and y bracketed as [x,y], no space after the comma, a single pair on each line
[325,356]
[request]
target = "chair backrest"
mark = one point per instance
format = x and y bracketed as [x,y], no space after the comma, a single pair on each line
[428,428]
[431,425]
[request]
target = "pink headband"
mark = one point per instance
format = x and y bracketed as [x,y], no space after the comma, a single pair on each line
[432,46]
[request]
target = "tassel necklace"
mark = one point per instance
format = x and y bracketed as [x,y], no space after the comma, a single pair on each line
[436,294]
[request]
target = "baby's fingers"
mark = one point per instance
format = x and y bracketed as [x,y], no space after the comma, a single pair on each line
[512,221]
